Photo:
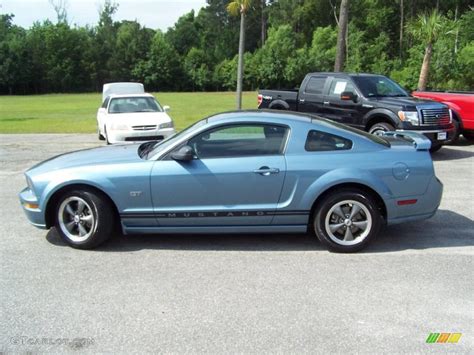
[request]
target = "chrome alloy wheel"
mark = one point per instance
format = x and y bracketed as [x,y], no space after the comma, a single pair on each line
[76,219]
[348,222]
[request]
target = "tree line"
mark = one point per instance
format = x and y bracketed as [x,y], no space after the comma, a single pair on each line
[284,39]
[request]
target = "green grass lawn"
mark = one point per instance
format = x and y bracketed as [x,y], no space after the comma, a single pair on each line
[76,113]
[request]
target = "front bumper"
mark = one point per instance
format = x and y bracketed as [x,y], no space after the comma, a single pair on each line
[136,136]
[435,135]
[30,205]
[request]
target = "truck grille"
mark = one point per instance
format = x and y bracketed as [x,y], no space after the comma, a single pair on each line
[144,128]
[433,117]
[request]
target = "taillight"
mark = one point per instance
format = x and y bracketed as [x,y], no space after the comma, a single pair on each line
[259,99]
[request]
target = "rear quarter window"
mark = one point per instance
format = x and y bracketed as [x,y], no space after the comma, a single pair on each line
[318,141]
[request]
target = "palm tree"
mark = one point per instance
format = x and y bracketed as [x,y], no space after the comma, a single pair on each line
[427,28]
[235,8]
[342,36]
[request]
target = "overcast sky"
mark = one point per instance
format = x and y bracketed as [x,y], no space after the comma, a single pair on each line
[150,13]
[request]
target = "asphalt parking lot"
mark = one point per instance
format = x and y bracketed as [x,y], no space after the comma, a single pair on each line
[250,294]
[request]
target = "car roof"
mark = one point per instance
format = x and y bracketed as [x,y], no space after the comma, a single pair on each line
[343,73]
[113,96]
[260,114]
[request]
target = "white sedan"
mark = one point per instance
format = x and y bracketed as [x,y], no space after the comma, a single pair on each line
[131,118]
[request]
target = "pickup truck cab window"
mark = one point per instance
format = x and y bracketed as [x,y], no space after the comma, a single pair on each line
[339,85]
[240,141]
[315,85]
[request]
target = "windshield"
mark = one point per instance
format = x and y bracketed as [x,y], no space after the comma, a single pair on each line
[147,150]
[134,104]
[378,86]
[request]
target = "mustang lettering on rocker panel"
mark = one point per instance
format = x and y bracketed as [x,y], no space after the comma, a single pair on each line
[205,214]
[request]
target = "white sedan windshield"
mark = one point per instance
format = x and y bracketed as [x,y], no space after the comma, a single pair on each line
[134,104]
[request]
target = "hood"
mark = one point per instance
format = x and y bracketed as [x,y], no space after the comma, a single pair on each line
[139,118]
[87,157]
[409,102]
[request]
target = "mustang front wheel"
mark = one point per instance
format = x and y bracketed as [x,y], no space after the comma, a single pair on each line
[347,221]
[83,219]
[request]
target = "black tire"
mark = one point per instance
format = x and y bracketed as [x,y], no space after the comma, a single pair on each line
[381,127]
[339,240]
[469,136]
[457,131]
[279,108]
[96,218]
[434,148]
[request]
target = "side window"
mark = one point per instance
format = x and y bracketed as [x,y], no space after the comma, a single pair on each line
[318,141]
[240,140]
[315,85]
[338,86]
[106,102]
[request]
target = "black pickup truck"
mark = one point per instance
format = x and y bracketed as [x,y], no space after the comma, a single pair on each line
[369,102]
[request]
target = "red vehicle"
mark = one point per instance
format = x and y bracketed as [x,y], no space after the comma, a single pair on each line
[462,106]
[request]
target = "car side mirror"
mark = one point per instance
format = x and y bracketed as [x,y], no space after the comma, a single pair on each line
[185,153]
[166,108]
[348,96]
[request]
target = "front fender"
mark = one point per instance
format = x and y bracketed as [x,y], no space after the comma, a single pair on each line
[103,184]
[381,112]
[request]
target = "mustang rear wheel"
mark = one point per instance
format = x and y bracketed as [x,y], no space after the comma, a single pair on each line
[347,220]
[83,219]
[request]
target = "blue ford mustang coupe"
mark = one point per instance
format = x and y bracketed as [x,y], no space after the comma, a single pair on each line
[239,172]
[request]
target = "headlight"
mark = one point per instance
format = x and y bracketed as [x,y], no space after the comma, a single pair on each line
[409,116]
[167,125]
[450,116]
[119,127]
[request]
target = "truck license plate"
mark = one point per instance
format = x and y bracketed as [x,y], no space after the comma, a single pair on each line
[442,136]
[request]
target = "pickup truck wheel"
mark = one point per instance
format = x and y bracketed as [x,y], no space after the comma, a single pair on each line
[435,148]
[379,128]
[347,220]
[469,136]
[456,132]
[83,219]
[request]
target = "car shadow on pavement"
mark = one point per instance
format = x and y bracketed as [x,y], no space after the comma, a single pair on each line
[446,229]
[450,153]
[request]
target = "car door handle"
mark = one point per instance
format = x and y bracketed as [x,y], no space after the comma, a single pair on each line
[265,171]
[302,101]
[326,103]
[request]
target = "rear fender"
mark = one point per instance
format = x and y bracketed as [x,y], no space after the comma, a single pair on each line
[279,103]
[345,176]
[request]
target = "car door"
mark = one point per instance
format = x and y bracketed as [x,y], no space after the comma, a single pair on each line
[343,111]
[311,96]
[235,179]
